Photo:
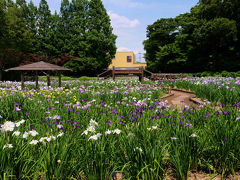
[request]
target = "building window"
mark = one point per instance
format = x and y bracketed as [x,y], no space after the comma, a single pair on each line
[129,59]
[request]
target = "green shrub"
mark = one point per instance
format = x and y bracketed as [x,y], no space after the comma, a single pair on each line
[86,78]
[225,74]
[206,74]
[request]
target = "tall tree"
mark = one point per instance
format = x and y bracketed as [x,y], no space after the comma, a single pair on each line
[31,20]
[160,33]
[53,48]
[17,39]
[23,5]
[206,39]
[43,29]
[2,21]
[63,27]
[3,32]
[92,39]
[100,35]
[78,33]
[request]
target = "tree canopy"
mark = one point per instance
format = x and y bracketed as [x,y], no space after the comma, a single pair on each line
[206,39]
[81,31]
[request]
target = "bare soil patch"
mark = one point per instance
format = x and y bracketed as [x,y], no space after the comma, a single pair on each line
[179,98]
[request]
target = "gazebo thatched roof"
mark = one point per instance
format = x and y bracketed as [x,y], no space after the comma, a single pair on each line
[39,66]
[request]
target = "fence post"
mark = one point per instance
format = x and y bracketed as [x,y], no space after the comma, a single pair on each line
[36,78]
[59,79]
[113,73]
[141,74]
[22,79]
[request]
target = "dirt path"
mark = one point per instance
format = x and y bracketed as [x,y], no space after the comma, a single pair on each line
[179,98]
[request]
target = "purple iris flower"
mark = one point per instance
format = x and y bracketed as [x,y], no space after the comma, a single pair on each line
[50,107]
[122,123]
[120,116]
[207,115]
[189,125]
[180,123]
[81,90]
[114,111]
[225,112]
[155,117]
[32,128]
[194,108]
[56,117]
[151,107]
[108,123]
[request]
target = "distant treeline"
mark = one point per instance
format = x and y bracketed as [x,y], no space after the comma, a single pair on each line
[79,36]
[206,39]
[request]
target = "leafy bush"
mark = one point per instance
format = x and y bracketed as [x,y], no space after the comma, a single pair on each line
[225,74]
[86,78]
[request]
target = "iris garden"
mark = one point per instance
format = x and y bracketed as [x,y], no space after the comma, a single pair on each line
[101,129]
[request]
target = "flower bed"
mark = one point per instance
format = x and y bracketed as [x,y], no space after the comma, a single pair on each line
[97,129]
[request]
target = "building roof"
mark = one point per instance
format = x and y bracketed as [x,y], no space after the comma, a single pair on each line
[39,66]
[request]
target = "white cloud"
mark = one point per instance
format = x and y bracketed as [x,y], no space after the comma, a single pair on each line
[126,29]
[122,21]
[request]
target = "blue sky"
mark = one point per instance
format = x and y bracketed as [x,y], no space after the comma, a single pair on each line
[130,18]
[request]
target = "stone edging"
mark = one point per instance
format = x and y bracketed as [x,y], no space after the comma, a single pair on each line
[196,100]
[182,90]
[166,96]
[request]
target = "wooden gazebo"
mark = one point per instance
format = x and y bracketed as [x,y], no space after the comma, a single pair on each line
[39,67]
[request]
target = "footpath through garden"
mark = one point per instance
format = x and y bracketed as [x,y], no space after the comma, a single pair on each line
[179,98]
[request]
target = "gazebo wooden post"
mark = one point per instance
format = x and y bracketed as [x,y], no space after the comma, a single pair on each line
[22,79]
[60,78]
[48,79]
[36,78]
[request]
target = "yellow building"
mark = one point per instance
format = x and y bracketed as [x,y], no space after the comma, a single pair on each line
[125,59]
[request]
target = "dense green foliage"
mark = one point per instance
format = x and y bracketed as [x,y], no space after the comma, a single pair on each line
[81,30]
[206,39]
